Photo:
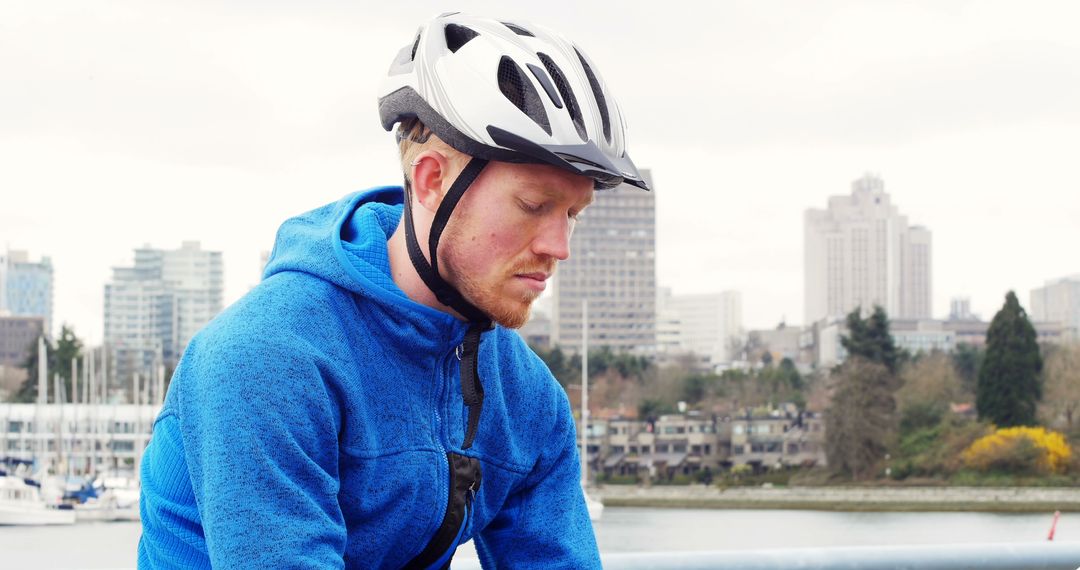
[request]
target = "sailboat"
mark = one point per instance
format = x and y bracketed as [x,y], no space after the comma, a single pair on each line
[596,508]
[22,499]
[22,502]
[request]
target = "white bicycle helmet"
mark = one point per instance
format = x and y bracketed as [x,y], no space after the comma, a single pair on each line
[511,92]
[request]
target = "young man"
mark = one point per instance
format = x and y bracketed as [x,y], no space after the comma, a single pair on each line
[366,405]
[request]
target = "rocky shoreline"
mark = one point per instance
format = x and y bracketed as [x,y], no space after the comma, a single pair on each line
[915,499]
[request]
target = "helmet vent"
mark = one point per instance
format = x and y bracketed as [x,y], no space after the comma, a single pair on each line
[601,101]
[415,44]
[520,91]
[458,35]
[519,30]
[567,94]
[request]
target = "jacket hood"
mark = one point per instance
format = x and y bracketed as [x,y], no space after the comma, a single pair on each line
[344,243]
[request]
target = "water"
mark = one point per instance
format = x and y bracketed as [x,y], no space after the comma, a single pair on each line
[112,545]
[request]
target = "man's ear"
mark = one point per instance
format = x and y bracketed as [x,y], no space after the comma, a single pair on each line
[430,172]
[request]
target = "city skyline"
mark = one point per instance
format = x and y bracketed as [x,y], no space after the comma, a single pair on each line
[214,129]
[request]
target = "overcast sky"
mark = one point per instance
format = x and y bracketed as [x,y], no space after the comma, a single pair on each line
[130,123]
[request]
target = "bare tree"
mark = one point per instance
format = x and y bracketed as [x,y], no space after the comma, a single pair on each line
[929,385]
[1061,385]
[861,420]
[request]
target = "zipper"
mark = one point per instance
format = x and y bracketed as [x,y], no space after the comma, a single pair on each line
[446,538]
[443,394]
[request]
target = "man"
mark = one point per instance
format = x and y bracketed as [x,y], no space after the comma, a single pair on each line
[366,405]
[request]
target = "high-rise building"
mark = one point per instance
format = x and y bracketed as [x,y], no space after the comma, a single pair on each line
[153,308]
[860,252]
[960,310]
[26,288]
[703,324]
[17,336]
[613,264]
[1059,301]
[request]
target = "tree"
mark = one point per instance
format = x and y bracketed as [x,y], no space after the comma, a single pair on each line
[860,422]
[1009,386]
[870,339]
[561,367]
[58,361]
[1062,386]
[966,360]
[791,375]
[929,384]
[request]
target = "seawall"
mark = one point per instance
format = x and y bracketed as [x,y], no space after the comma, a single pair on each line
[985,499]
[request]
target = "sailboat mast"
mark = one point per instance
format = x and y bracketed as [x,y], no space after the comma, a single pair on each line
[584,392]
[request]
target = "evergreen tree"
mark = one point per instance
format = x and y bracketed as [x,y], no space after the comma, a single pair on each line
[870,339]
[1009,384]
[58,361]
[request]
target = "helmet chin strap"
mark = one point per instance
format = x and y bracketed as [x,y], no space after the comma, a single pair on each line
[472,391]
[429,272]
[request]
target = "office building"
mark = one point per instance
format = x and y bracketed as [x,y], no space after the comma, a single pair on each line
[17,336]
[1059,301]
[613,265]
[153,308]
[861,252]
[26,287]
[703,324]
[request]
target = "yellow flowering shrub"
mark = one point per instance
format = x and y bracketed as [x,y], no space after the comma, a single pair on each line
[1019,449]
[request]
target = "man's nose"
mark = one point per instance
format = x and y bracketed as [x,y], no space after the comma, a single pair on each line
[553,240]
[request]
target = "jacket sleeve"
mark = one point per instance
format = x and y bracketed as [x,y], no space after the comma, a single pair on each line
[259,428]
[545,523]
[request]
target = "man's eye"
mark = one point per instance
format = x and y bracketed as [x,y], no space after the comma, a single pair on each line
[530,207]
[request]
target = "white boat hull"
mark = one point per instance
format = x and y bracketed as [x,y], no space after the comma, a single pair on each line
[34,515]
[596,508]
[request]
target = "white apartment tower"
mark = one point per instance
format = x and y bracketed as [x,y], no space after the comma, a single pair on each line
[153,308]
[1059,301]
[702,324]
[861,252]
[613,264]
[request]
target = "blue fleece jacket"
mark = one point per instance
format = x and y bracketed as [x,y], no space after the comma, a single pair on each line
[307,426]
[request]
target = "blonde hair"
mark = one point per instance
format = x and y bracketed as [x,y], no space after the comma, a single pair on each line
[414,138]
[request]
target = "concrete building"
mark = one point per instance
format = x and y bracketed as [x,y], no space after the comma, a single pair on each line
[779,438]
[960,310]
[916,335]
[860,252]
[81,438]
[781,342]
[153,308]
[701,324]
[613,265]
[675,445]
[17,335]
[537,332]
[26,287]
[922,335]
[1059,301]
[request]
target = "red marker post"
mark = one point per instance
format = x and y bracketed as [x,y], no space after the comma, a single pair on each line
[1053,526]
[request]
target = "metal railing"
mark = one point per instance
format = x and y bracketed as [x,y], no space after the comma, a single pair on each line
[1000,556]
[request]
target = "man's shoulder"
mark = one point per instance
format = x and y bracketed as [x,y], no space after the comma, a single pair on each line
[290,317]
[515,353]
[526,379]
[282,305]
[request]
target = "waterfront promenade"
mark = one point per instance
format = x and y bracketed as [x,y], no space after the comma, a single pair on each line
[914,499]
